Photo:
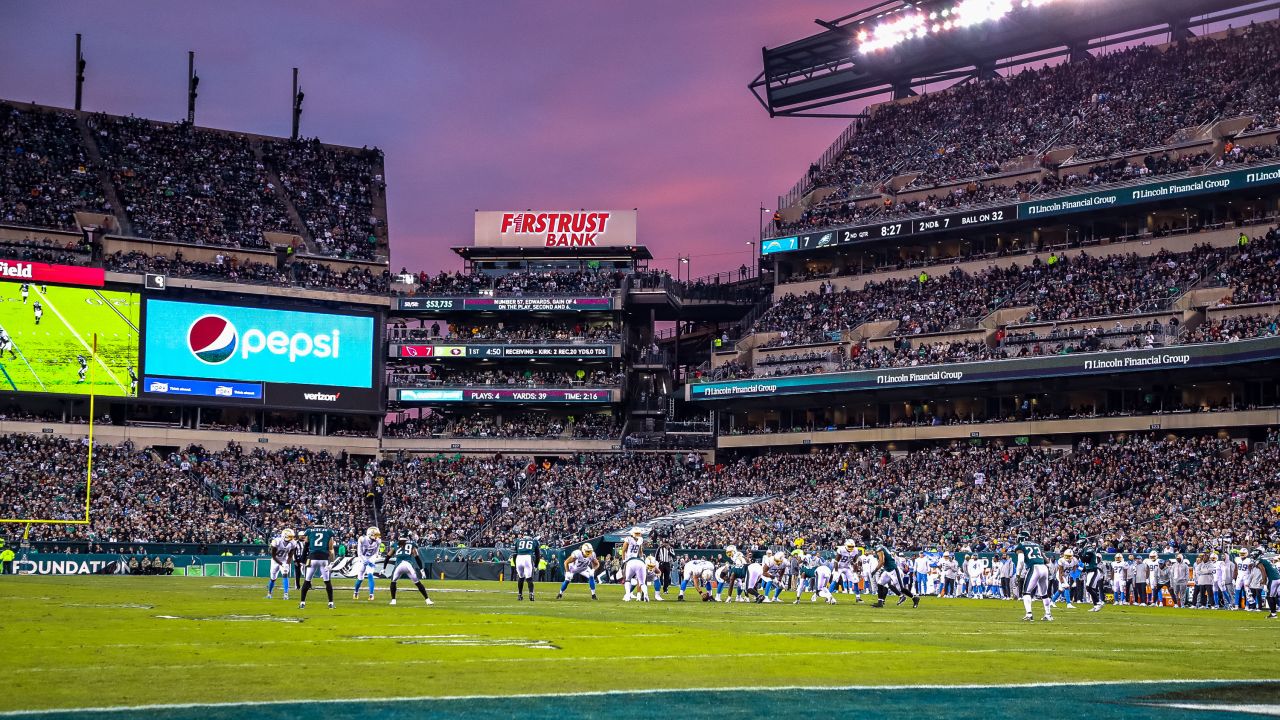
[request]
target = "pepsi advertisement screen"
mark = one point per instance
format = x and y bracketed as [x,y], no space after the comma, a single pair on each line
[286,358]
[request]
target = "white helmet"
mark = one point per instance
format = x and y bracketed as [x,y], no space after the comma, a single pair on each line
[1067,553]
[1153,554]
[730,550]
[780,557]
[287,534]
[651,562]
[374,533]
[637,533]
[850,544]
[586,549]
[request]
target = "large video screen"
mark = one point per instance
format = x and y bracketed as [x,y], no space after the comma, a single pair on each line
[237,353]
[47,334]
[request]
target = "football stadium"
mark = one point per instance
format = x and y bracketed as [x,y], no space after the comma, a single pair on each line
[985,405]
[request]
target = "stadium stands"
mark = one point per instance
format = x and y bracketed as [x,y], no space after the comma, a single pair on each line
[1111,106]
[45,176]
[1134,493]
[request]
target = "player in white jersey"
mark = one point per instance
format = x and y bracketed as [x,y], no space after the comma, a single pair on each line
[846,574]
[822,574]
[583,562]
[283,552]
[1243,569]
[633,545]
[653,576]
[697,571]
[366,555]
[755,574]
[635,576]
[1119,579]
[775,570]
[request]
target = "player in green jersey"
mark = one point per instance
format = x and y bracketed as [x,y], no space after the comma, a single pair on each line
[318,545]
[527,558]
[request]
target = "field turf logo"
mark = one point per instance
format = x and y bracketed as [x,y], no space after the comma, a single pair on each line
[212,339]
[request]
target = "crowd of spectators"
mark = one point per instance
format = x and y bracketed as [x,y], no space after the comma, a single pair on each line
[1234,329]
[45,174]
[298,273]
[1126,101]
[596,426]
[1060,288]
[191,185]
[74,252]
[1139,493]
[333,190]
[1131,492]
[588,283]
[510,425]
[920,304]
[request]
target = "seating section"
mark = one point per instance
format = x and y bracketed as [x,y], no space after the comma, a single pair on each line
[334,192]
[1135,493]
[45,174]
[188,184]
[1122,102]
[1070,286]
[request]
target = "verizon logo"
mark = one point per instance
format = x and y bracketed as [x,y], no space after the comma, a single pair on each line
[321,397]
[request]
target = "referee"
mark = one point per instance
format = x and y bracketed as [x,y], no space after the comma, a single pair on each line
[665,556]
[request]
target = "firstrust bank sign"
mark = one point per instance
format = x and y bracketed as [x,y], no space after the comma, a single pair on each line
[562,228]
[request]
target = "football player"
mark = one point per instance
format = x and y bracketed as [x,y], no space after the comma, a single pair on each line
[582,562]
[527,557]
[319,552]
[891,578]
[1090,572]
[283,552]
[698,571]
[1035,575]
[1267,562]
[635,575]
[408,563]
[38,309]
[367,548]
[846,574]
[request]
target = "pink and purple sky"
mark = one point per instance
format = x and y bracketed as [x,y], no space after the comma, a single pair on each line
[497,105]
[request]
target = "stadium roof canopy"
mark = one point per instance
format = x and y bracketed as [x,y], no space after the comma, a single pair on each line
[894,45]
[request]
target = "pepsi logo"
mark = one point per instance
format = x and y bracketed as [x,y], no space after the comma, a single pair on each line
[212,339]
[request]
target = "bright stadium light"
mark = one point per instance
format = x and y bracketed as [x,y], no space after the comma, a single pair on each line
[916,24]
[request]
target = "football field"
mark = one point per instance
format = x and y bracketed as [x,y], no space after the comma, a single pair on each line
[44,355]
[215,648]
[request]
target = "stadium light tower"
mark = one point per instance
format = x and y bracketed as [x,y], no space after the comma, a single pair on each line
[80,65]
[193,82]
[297,105]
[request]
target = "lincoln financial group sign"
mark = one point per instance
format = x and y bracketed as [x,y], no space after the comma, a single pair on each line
[1178,357]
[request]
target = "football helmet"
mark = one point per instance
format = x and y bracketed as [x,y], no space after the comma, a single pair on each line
[586,549]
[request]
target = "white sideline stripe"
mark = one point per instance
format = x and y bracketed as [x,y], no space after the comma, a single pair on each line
[1272,710]
[647,691]
[621,658]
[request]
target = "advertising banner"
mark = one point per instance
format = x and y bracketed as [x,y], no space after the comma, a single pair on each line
[280,357]
[47,337]
[1083,364]
[27,271]
[513,303]
[561,228]
[452,395]
[1254,176]
[494,352]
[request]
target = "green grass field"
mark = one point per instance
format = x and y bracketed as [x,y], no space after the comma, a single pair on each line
[44,357]
[112,641]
